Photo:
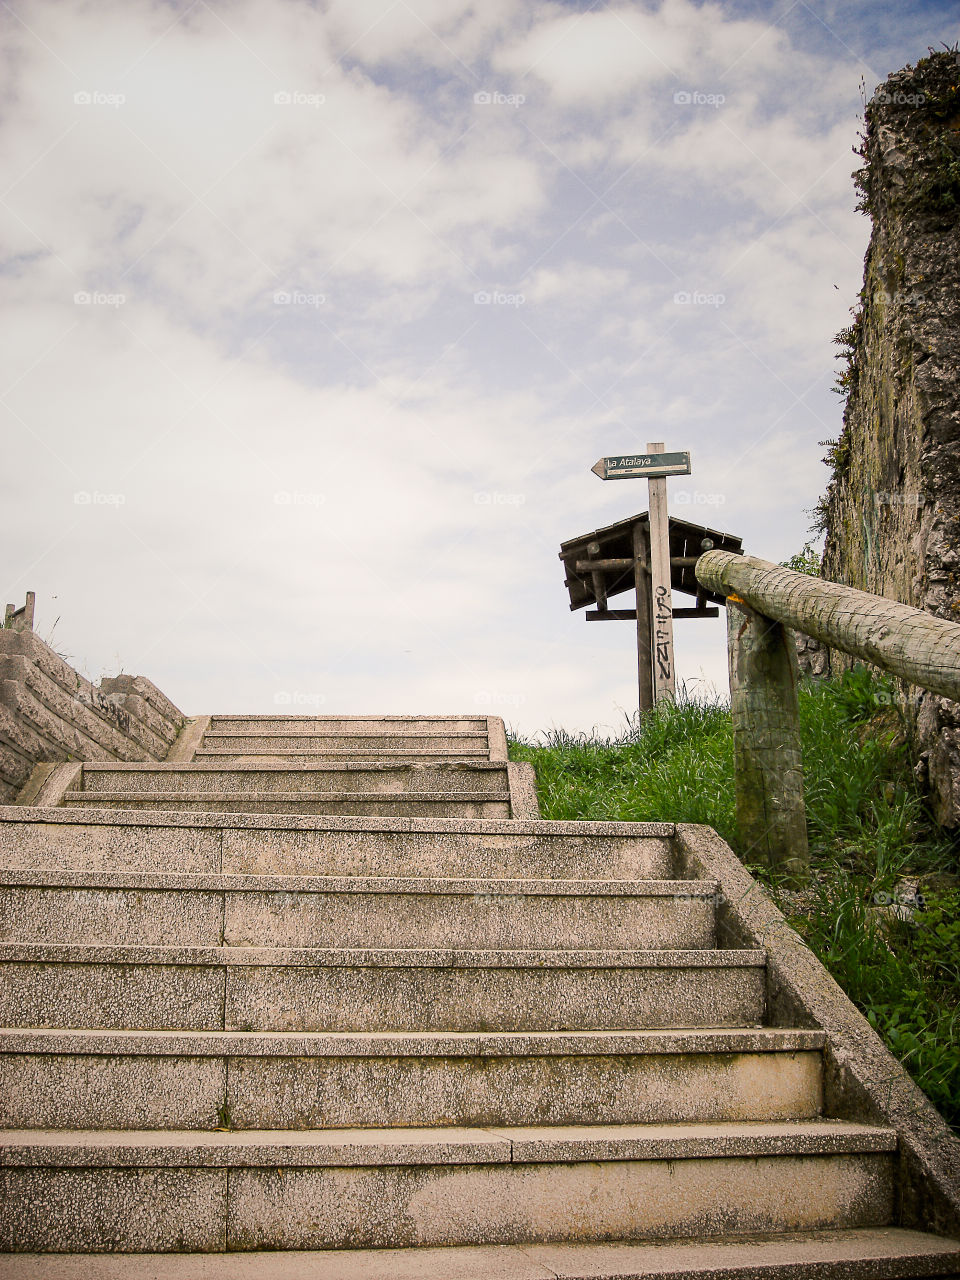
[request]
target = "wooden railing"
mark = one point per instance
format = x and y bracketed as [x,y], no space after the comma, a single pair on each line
[764,601]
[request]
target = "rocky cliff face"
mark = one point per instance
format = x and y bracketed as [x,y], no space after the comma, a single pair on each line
[892,510]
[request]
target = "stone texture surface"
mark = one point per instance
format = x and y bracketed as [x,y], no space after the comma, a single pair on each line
[313,1092]
[520,1106]
[111,995]
[447,998]
[893,507]
[119,1210]
[459,778]
[849,1254]
[623,1199]
[128,1091]
[97,1091]
[412,805]
[487,917]
[501,854]
[119,916]
[49,712]
[62,840]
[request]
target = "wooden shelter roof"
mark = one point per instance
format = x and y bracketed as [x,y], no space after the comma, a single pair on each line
[615,541]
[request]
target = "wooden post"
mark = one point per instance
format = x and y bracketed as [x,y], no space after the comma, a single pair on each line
[664,682]
[768,773]
[641,581]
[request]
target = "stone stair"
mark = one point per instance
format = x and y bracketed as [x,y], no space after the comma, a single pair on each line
[454,1042]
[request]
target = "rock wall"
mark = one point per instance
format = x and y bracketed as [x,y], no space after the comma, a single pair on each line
[892,510]
[49,712]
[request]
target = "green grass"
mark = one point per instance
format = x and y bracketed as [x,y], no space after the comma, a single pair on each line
[875,853]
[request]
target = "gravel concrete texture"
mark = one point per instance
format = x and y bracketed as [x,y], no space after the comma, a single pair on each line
[485,917]
[143,1091]
[360,804]
[522,997]
[102,1091]
[315,1092]
[296,844]
[469,779]
[181,917]
[849,1254]
[253,743]
[96,845]
[114,995]
[491,1204]
[344,990]
[181,910]
[53,1210]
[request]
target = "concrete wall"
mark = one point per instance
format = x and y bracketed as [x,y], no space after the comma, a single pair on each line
[892,511]
[49,712]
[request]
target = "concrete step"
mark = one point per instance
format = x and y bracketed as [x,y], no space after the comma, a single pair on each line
[323,737]
[468,780]
[359,804]
[181,1190]
[266,844]
[280,1080]
[125,908]
[852,1253]
[319,751]
[261,989]
[396,726]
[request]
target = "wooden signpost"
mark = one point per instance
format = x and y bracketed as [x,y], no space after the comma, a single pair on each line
[654,594]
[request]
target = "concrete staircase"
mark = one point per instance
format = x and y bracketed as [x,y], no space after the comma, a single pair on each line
[285,992]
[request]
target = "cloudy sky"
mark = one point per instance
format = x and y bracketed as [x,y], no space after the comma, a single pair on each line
[318,315]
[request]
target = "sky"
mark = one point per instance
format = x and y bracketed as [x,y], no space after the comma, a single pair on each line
[318,315]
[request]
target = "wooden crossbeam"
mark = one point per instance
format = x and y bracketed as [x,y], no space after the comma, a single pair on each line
[630,615]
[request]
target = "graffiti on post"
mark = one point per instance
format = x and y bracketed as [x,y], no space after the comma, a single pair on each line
[663,632]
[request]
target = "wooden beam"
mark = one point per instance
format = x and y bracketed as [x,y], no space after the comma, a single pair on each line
[641,583]
[767,767]
[664,681]
[910,643]
[628,615]
[602,566]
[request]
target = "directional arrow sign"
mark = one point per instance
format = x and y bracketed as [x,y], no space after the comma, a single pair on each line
[637,466]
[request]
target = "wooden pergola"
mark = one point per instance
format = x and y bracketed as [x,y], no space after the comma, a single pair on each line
[609,561]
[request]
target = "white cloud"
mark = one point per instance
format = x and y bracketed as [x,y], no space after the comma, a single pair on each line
[429,452]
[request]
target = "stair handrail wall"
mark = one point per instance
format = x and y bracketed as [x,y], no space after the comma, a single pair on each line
[765,602]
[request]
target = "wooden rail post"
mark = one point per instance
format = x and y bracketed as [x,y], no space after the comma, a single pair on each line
[768,773]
